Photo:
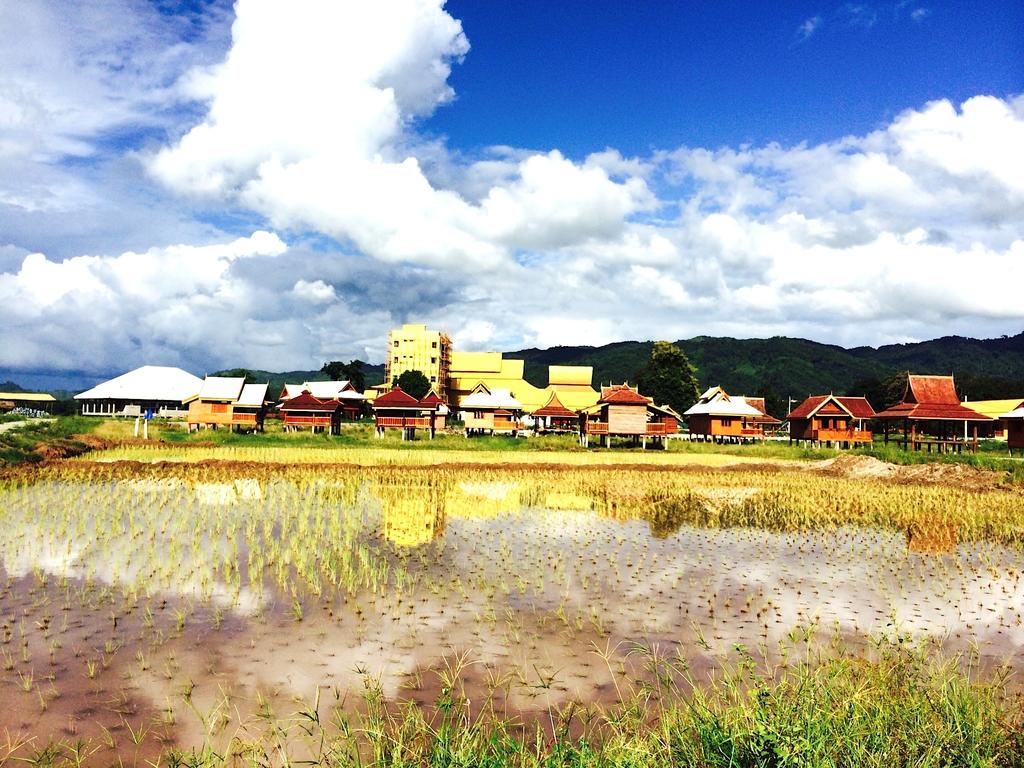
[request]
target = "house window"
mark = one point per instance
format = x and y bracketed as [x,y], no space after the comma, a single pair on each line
[220,408]
[433,345]
[396,345]
[396,358]
[726,422]
[433,378]
[433,360]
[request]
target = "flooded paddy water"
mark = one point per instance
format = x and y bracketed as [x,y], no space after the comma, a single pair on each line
[149,606]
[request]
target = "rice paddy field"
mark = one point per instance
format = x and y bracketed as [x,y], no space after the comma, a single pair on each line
[184,605]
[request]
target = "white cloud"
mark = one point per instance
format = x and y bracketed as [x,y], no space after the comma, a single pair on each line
[319,136]
[809,27]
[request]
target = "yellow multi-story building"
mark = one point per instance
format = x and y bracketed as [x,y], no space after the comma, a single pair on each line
[469,370]
[414,347]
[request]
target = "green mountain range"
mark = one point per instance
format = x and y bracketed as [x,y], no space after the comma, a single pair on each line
[779,367]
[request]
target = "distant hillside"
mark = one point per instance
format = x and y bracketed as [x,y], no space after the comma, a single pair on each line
[374,375]
[985,368]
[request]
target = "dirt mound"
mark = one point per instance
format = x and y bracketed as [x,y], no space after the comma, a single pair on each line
[870,468]
[862,467]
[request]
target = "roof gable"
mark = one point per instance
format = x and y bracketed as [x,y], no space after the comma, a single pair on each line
[931,389]
[554,408]
[396,398]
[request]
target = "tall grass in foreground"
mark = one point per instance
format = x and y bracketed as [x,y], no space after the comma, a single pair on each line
[901,709]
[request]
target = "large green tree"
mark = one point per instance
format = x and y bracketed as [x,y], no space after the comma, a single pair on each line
[669,378]
[350,371]
[413,383]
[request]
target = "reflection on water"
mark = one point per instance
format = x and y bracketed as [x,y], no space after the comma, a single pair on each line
[284,585]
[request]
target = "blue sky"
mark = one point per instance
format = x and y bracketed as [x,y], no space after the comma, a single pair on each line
[582,76]
[273,185]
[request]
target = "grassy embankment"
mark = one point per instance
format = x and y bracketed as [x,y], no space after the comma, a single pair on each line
[44,438]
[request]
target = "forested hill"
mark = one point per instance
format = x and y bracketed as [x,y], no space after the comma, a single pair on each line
[985,368]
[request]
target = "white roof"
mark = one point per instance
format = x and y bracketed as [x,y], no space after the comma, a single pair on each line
[1015,414]
[715,402]
[150,382]
[323,390]
[498,398]
[222,388]
[253,395]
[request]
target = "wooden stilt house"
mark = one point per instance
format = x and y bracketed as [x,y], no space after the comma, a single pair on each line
[352,401]
[554,417]
[623,412]
[307,412]
[230,402]
[719,417]
[830,420]
[491,411]
[931,416]
[397,409]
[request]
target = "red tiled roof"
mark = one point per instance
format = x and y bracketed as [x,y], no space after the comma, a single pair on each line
[932,411]
[806,408]
[933,398]
[555,409]
[757,403]
[396,398]
[306,402]
[430,400]
[622,394]
[859,407]
[931,389]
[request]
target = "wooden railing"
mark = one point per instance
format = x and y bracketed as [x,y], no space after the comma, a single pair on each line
[307,421]
[402,421]
[751,432]
[661,428]
[595,427]
[507,424]
[243,418]
[843,435]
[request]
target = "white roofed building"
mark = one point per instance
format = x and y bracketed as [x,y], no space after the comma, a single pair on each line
[161,389]
[719,417]
[491,411]
[228,401]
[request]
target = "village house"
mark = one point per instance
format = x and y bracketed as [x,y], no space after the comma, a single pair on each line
[553,417]
[304,411]
[352,401]
[623,412]
[830,420]
[228,401]
[491,412]
[160,390]
[1015,429]
[397,409]
[931,416]
[720,417]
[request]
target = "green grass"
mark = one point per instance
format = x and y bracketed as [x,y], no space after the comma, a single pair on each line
[898,711]
[40,438]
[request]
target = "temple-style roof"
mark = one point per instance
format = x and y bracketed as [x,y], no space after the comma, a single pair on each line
[554,409]
[931,398]
[323,390]
[622,394]
[855,407]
